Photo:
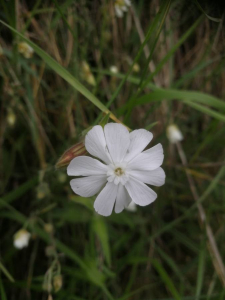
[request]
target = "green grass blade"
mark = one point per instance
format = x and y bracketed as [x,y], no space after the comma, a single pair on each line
[20,191]
[201,268]
[64,74]
[173,94]
[2,291]
[207,111]
[166,279]
[188,97]
[6,272]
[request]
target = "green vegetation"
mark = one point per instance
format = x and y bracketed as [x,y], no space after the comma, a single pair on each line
[170,60]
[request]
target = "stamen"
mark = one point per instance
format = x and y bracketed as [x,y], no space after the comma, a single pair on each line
[119,172]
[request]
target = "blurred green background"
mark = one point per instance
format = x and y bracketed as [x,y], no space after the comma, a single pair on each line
[169,59]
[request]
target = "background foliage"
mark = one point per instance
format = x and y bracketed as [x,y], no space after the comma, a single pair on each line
[168,250]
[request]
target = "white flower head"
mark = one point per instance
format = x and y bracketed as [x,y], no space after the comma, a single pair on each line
[114,69]
[123,170]
[121,6]
[174,134]
[21,239]
[131,207]
[25,49]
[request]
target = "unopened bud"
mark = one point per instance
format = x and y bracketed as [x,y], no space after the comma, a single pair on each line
[136,68]
[114,69]
[57,283]
[86,73]
[174,134]
[11,118]
[21,239]
[49,228]
[50,251]
[76,150]
[61,177]
[25,49]
[43,190]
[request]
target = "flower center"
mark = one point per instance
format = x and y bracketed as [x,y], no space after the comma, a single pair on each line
[117,173]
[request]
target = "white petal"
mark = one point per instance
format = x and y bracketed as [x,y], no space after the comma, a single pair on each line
[105,201]
[85,166]
[88,186]
[150,159]
[95,144]
[122,200]
[139,139]
[155,177]
[140,193]
[117,140]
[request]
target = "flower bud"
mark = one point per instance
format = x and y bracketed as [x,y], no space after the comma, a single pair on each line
[43,190]
[114,69]
[61,177]
[11,118]
[136,68]
[49,228]
[76,150]
[86,74]
[174,134]
[25,49]
[50,251]
[57,283]
[21,239]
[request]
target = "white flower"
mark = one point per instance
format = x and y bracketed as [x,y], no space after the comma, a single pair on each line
[21,239]
[114,69]
[25,49]
[174,134]
[131,207]
[124,171]
[121,6]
